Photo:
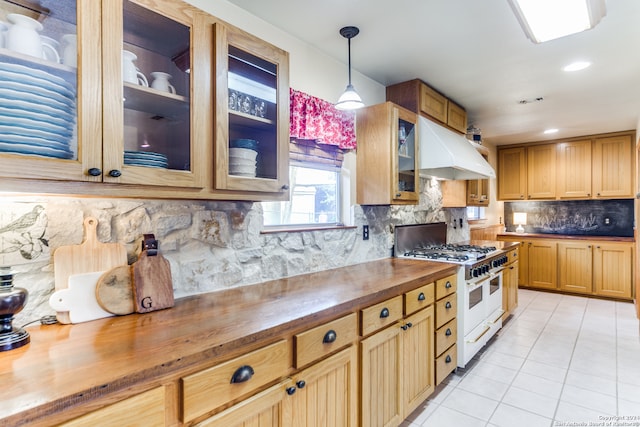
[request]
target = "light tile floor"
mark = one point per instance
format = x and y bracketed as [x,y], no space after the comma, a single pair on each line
[560,360]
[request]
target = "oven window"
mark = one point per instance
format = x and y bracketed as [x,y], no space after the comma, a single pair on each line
[494,284]
[475,297]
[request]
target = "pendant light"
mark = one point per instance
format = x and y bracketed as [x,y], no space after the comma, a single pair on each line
[349,100]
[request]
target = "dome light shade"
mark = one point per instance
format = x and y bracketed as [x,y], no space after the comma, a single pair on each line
[349,100]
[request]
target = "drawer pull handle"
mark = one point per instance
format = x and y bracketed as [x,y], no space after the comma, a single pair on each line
[447,305]
[290,390]
[409,325]
[242,374]
[384,313]
[330,337]
[448,285]
[404,327]
[448,332]
[421,297]
[301,384]
[447,359]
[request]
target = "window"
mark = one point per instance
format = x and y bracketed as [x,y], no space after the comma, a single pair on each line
[475,212]
[314,200]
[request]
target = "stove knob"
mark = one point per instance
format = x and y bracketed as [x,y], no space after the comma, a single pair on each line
[485,268]
[495,263]
[475,272]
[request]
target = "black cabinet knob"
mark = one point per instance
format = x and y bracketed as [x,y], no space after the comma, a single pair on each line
[242,374]
[301,384]
[409,325]
[447,305]
[290,390]
[285,187]
[447,359]
[384,313]
[95,172]
[421,297]
[404,327]
[114,173]
[448,332]
[330,336]
[448,284]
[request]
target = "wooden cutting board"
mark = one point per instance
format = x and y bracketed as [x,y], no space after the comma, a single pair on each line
[79,299]
[114,291]
[88,257]
[152,284]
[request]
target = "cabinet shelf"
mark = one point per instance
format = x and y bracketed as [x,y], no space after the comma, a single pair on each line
[238,118]
[142,98]
[63,71]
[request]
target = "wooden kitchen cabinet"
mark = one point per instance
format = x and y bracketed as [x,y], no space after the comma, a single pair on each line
[574,169]
[613,166]
[252,104]
[541,172]
[387,158]
[397,368]
[512,173]
[478,192]
[420,98]
[613,270]
[575,267]
[146,409]
[543,270]
[446,334]
[454,193]
[122,132]
[510,283]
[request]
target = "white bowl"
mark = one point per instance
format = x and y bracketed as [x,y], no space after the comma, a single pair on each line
[242,169]
[241,162]
[242,153]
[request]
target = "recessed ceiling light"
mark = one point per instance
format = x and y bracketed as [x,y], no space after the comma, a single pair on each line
[577,66]
[550,131]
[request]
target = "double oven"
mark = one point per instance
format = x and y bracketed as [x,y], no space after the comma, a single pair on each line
[480,268]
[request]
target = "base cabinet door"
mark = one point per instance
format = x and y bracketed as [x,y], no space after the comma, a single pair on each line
[543,264]
[417,352]
[575,267]
[265,409]
[381,373]
[612,268]
[324,394]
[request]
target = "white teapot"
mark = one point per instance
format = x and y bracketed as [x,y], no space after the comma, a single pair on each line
[23,35]
[130,72]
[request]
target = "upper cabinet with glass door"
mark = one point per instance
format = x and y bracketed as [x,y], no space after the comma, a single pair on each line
[149,114]
[252,97]
[48,81]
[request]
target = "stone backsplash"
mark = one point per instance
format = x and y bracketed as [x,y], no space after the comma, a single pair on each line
[210,245]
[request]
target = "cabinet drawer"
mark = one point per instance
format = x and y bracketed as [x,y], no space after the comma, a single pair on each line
[446,363]
[446,336]
[446,310]
[206,390]
[145,409]
[446,286]
[419,298]
[325,339]
[380,315]
[513,255]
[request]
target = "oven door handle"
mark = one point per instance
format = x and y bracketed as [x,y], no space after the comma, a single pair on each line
[476,339]
[498,317]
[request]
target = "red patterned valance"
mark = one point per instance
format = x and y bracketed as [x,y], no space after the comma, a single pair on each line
[318,120]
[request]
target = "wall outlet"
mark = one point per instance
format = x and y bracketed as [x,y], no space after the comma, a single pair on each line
[365,232]
[607,221]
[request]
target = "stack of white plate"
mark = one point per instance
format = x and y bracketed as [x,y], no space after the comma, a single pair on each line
[37,112]
[242,162]
[145,158]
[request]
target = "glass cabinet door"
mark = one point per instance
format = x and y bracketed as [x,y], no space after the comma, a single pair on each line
[147,95]
[406,178]
[252,144]
[44,84]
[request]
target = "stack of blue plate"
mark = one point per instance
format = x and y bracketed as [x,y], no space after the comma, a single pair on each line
[145,158]
[37,112]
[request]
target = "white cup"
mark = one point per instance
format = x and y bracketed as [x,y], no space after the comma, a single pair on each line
[161,82]
[70,50]
[50,49]
[23,35]
[130,73]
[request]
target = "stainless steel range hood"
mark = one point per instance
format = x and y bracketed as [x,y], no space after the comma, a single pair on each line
[445,154]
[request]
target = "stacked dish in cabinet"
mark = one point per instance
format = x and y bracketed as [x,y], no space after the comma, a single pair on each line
[145,158]
[243,157]
[37,113]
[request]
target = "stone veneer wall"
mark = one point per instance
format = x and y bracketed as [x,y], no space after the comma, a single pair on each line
[210,245]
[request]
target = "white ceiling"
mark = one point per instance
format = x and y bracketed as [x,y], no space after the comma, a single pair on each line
[475,52]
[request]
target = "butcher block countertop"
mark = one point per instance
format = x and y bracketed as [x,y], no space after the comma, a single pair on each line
[67,367]
[565,237]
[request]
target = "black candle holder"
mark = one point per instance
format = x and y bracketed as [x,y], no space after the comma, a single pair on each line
[12,301]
